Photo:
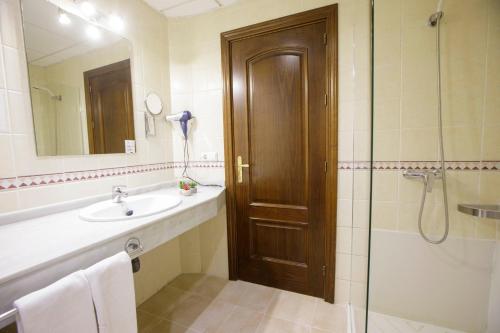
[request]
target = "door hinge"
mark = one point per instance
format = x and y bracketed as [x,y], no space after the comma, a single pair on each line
[326,166]
[326,99]
[324,270]
[324,38]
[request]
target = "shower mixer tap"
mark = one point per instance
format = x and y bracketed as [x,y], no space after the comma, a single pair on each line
[427,176]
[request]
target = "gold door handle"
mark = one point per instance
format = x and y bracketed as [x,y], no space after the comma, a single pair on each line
[240,166]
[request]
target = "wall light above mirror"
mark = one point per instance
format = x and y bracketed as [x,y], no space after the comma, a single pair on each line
[80,78]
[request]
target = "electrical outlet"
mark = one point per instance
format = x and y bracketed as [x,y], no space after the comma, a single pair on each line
[210,156]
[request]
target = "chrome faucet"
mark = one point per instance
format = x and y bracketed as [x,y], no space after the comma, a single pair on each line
[118,193]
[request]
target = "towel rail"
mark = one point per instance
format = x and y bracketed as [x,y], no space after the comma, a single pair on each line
[133,247]
[7,315]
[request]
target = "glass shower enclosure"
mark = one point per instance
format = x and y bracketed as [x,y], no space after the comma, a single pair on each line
[435,146]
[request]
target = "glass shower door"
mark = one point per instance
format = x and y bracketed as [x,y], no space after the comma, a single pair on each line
[416,285]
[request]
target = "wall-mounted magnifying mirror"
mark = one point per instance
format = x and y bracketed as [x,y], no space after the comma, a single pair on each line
[154,104]
[80,82]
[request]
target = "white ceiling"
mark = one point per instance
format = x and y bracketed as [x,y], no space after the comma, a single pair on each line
[176,8]
[48,42]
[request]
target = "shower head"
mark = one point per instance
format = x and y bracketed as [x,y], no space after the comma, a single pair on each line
[434,18]
[48,91]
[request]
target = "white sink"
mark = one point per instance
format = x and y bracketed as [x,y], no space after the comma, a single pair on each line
[139,205]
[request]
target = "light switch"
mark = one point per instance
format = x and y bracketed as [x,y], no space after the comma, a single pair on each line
[129,146]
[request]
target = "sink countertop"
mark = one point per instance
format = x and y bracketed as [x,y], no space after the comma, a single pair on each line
[31,244]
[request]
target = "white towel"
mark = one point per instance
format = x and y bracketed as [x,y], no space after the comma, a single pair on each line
[112,286]
[64,306]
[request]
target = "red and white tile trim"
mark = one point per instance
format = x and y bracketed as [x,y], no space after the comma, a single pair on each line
[21,182]
[421,165]
[15,183]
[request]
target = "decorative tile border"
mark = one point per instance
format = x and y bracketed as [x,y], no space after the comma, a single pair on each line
[21,182]
[197,164]
[15,183]
[421,165]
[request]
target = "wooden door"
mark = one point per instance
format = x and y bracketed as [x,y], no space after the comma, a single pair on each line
[110,117]
[279,85]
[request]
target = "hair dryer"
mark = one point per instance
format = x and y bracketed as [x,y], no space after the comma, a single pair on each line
[183,118]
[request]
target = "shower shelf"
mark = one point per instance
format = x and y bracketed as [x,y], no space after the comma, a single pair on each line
[488,211]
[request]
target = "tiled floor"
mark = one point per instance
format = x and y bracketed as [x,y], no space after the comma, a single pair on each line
[198,303]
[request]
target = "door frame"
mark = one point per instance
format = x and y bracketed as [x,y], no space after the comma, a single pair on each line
[327,14]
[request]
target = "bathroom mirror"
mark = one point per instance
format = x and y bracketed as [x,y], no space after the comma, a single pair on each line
[80,81]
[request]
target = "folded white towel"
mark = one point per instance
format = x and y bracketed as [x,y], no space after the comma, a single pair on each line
[112,286]
[64,306]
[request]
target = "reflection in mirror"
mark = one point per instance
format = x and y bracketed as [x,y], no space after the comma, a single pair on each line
[80,83]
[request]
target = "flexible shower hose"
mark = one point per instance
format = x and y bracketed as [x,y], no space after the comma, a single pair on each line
[441,151]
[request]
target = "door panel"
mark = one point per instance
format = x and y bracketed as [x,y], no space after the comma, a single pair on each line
[274,240]
[279,128]
[278,116]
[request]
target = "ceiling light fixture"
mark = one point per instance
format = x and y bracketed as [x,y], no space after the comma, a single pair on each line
[88,9]
[93,32]
[116,23]
[63,17]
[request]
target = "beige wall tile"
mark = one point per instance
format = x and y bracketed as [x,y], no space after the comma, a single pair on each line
[19,113]
[7,166]
[387,82]
[190,251]
[346,146]
[360,242]
[344,213]
[15,70]
[10,23]
[387,116]
[463,143]
[9,201]
[491,143]
[361,187]
[41,196]
[158,267]
[362,146]
[213,246]
[345,184]
[4,114]
[419,144]
[358,294]
[462,225]
[359,268]
[385,185]
[361,214]
[408,217]
[486,228]
[344,240]
[342,291]
[386,144]
[343,266]
[384,215]
[490,183]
